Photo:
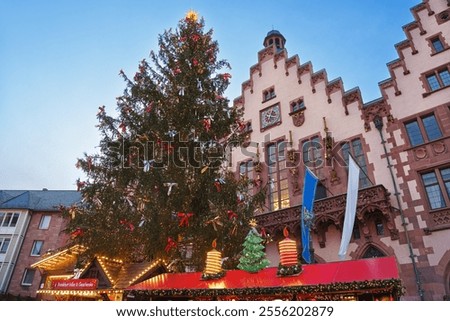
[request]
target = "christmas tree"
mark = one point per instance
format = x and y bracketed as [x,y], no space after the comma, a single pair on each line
[253,258]
[159,187]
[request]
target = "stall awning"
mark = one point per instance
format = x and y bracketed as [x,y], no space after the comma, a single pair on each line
[329,277]
[63,259]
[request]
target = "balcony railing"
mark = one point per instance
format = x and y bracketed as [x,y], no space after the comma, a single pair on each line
[332,209]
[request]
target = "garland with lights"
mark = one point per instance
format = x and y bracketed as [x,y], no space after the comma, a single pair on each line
[288,270]
[392,286]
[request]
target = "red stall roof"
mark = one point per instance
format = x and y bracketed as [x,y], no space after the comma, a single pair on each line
[384,268]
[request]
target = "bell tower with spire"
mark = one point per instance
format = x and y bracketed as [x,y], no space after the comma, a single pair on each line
[274,37]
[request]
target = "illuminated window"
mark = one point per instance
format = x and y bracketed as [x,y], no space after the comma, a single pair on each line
[37,248]
[45,222]
[278,175]
[28,277]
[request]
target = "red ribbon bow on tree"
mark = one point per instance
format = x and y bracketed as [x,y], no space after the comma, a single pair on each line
[78,232]
[184,218]
[226,76]
[127,224]
[167,146]
[149,107]
[171,244]
[241,125]
[80,184]
[207,124]
[231,214]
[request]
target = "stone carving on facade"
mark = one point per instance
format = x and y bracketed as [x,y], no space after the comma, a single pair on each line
[334,178]
[256,68]
[350,97]
[318,76]
[292,161]
[378,108]
[439,148]
[266,53]
[239,101]
[247,85]
[332,87]
[280,55]
[439,220]
[305,68]
[420,153]
[330,211]
[298,117]
[293,61]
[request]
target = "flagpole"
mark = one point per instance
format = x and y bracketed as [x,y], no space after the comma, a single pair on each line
[311,249]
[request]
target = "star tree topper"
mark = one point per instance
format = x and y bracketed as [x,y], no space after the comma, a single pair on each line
[192,15]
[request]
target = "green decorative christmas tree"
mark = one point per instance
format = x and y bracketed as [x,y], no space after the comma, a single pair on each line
[253,257]
[158,187]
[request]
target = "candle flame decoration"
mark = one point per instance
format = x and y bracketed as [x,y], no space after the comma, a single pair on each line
[213,269]
[285,232]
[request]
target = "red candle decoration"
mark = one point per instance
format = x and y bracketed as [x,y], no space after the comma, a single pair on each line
[288,250]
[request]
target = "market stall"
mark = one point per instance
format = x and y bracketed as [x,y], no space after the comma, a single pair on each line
[367,279]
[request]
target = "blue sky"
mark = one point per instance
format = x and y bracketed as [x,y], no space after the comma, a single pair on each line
[59,61]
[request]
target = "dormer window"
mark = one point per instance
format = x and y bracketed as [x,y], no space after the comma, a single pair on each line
[297,105]
[437,44]
[269,94]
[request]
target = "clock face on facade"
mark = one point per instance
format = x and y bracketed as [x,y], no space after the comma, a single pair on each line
[270,116]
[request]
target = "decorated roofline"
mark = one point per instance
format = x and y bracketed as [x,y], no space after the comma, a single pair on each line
[368,110]
[408,43]
[393,286]
[315,77]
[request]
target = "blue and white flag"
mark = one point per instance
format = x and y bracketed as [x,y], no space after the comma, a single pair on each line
[350,206]
[309,192]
